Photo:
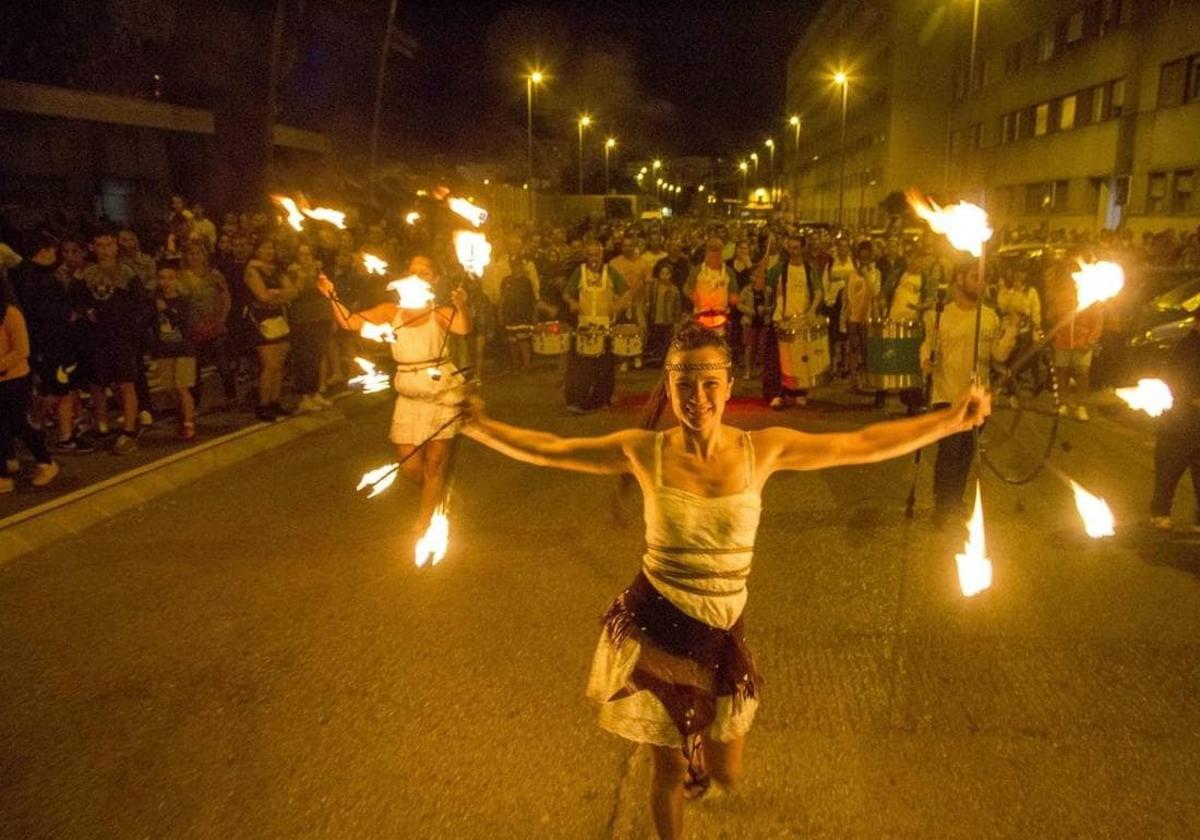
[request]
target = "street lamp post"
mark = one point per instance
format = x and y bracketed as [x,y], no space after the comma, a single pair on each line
[743,169]
[754,158]
[795,123]
[770,144]
[608,147]
[534,78]
[844,81]
[584,122]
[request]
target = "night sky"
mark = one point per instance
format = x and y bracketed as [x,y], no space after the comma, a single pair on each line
[673,78]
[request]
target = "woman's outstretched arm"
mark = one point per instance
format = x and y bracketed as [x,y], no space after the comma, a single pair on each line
[606,455]
[781,448]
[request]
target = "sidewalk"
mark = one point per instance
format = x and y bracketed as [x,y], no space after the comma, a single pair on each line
[93,487]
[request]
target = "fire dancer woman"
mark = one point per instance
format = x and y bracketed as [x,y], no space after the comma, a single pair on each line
[425,381]
[672,662]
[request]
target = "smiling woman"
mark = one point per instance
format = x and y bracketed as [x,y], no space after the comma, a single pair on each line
[672,669]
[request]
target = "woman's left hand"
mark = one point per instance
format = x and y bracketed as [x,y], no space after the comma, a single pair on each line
[972,410]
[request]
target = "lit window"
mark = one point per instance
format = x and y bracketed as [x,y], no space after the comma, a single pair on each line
[1193,83]
[1041,119]
[1066,113]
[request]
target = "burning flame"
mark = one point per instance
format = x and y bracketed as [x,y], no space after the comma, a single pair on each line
[1151,396]
[473,250]
[432,546]
[384,333]
[294,217]
[474,215]
[412,218]
[1097,518]
[373,264]
[1096,282]
[379,479]
[371,380]
[964,224]
[974,567]
[413,292]
[325,214]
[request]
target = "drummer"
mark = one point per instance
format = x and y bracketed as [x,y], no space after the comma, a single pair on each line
[636,275]
[517,308]
[594,292]
[797,286]
[713,288]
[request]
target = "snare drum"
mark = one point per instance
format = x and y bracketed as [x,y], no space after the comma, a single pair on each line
[627,340]
[590,339]
[893,355]
[803,351]
[519,332]
[551,338]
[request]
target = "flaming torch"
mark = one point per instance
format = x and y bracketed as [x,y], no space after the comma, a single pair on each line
[379,479]
[1096,282]
[475,215]
[294,217]
[325,214]
[412,217]
[372,380]
[412,292]
[964,224]
[383,333]
[1151,396]
[974,567]
[1097,518]
[373,264]
[473,251]
[433,544]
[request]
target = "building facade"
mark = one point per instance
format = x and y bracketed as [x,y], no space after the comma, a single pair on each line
[1084,114]
[1079,115]
[896,107]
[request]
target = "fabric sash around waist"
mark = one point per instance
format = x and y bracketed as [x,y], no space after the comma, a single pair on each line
[642,613]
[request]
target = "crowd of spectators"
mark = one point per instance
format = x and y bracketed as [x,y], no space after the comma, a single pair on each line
[107,315]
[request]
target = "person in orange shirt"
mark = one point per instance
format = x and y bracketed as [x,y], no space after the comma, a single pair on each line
[16,390]
[1073,344]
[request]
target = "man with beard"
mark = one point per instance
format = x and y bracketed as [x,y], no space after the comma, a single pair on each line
[949,363]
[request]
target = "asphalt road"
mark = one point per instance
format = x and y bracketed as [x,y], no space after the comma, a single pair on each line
[257,656]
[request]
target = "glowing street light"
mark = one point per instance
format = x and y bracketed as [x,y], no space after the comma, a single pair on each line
[584,122]
[754,158]
[770,144]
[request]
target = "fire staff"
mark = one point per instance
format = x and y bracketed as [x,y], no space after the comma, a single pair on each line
[672,669]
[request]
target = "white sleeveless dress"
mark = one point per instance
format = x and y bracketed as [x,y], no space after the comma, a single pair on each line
[423,403]
[698,555]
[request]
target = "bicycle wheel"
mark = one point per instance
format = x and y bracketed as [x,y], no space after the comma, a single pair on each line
[1020,435]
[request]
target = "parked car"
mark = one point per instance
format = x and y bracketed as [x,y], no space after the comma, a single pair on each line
[1157,325]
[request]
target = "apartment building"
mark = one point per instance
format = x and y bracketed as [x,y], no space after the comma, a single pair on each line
[1083,114]
[896,55]
[1080,114]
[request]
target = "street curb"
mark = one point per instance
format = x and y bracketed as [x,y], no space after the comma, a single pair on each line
[72,513]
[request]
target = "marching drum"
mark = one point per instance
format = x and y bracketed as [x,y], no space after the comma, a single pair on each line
[590,339]
[803,351]
[627,340]
[519,332]
[894,355]
[551,338]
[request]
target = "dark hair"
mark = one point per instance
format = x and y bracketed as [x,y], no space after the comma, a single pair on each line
[692,336]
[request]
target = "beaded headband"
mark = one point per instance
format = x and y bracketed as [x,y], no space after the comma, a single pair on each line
[694,366]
